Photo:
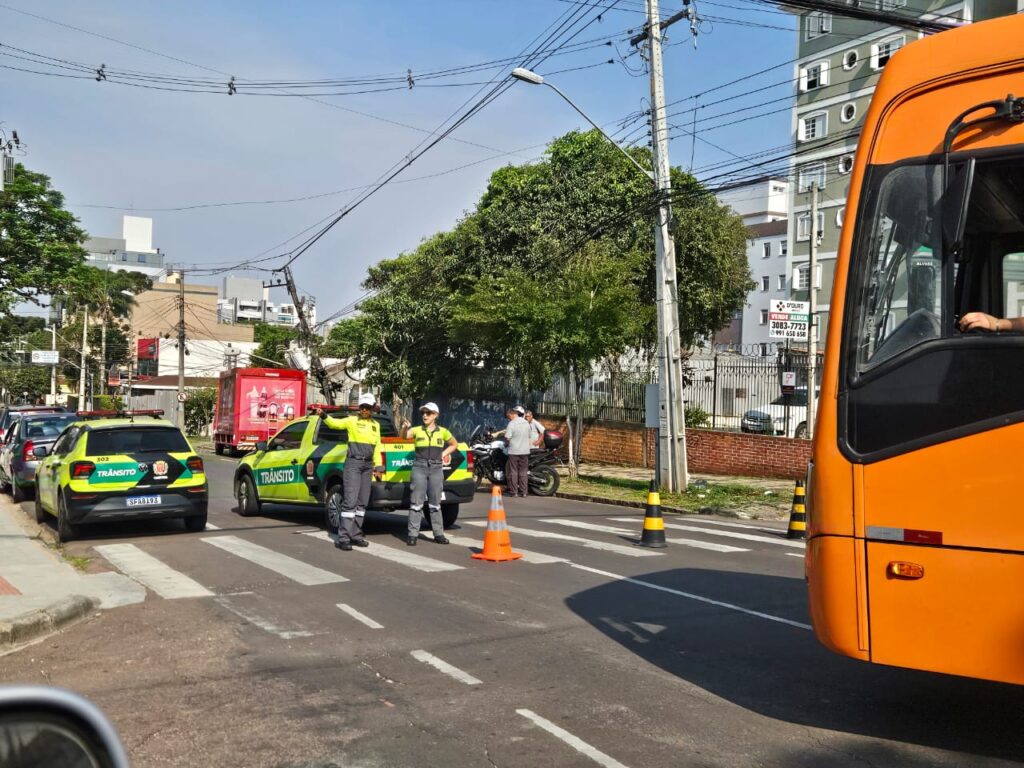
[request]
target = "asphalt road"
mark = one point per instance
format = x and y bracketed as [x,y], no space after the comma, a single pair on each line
[589,652]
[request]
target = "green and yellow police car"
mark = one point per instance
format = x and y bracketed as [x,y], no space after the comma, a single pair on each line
[303,464]
[120,465]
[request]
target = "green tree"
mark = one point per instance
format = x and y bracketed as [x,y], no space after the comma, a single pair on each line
[41,244]
[199,409]
[273,341]
[20,382]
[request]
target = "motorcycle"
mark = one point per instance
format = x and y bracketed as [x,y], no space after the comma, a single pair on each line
[490,458]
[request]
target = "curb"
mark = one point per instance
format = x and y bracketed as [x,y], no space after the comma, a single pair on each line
[43,621]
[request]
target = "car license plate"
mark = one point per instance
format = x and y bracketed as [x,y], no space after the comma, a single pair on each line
[143,501]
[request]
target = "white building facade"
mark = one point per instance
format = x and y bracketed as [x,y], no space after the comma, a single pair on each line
[132,252]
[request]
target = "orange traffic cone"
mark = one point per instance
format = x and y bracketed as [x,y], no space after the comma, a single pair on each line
[497,543]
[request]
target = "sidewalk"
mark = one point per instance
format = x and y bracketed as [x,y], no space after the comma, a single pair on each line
[39,591]
[590,469]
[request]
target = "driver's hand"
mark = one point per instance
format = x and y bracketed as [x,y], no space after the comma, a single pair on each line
[978,320]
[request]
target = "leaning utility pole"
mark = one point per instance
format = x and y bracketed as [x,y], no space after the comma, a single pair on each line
[180,412]
[672,425]
[316,367]
[812,325]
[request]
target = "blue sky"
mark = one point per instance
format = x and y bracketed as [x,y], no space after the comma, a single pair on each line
[106,144]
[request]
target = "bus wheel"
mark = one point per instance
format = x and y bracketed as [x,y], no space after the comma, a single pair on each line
[218,448]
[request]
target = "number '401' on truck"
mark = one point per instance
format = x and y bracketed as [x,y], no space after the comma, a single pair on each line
[303,464]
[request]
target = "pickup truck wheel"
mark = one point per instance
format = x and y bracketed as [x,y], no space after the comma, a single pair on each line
[449,514]
[332,508]
[801,431]
[65,530]
[544,481]
[248,500]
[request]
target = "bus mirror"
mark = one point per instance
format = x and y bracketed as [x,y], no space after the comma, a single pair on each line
[956,199]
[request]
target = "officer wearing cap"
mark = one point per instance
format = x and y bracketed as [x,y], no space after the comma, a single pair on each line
[363,443]
[434,447]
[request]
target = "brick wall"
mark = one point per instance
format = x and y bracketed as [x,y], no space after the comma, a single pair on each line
[707,451]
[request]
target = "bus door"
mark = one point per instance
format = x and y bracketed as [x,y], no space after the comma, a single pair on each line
[933,418]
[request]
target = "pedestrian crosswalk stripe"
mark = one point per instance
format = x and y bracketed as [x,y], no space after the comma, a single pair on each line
[730,534]
[289,567]
[702,520]
[361,617]
[624,532]
[443,666]
[794,554]
[258,621]
[212,527]
[152,573]
[622,549]
[400,556]
[528,557]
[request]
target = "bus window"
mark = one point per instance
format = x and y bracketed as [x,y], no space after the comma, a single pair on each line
[901,294]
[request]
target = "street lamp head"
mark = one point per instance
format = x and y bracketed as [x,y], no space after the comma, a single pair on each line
[527,76]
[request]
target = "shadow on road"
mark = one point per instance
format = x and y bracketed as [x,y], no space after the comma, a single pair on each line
[781,671]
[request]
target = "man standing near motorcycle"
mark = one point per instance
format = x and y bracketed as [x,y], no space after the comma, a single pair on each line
[518,436]
[434,447]
[536,430]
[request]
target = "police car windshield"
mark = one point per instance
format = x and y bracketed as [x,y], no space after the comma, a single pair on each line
[136,440]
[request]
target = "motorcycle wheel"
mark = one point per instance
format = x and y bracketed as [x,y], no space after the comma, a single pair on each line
[544,481]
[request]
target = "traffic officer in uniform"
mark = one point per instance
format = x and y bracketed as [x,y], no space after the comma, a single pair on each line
[363,443]
[434,447]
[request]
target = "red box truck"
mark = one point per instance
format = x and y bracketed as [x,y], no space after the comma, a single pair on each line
[254,403]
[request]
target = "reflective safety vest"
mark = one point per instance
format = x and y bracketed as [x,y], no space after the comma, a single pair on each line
[363,435]
[429,445]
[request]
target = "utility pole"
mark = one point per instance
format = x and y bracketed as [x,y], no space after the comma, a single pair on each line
[83,370]
[316,367]
[53,368]
[180,412]
[672,427]
[812,326]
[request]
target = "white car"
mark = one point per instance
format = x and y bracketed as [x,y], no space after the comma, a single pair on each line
[770,418]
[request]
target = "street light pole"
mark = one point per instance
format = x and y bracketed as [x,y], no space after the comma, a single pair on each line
[672,468]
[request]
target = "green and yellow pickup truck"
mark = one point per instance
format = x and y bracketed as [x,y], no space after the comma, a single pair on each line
[302,465]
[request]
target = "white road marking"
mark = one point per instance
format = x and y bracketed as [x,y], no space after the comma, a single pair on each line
[400,556]
[265,624]
[289,567]
[528,557]
[794,554]
[742,526]
[575,742]
[443,666]
[691,596]
[622,549]
[152,573]
[212,527]
[625,532]
[360,616]
[733,535]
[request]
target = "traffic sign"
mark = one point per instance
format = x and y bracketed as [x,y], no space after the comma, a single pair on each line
[788,382]
[45,357]
[788,319]
[181,397]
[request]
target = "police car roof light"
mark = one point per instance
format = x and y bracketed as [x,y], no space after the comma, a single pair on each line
[113,414]
[323,407]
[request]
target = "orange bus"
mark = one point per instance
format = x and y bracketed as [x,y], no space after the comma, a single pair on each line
[915,552]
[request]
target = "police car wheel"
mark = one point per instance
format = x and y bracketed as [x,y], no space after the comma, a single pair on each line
[195,524]
[65,530]
[248,501]
[332,508]
[449,514]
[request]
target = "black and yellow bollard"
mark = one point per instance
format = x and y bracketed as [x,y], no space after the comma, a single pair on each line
[654,527]
[798,516]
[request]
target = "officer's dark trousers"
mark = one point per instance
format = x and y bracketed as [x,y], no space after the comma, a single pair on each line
[427,484]
[356,477]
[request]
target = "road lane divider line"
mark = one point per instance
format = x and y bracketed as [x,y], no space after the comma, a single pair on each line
[151,572]
[258,621]
[443,666]
[400,556]
[575,742]
[691,596]
[361,617]
[296,570]
[624,532]
[730,534]
[621,549]
[477,546]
